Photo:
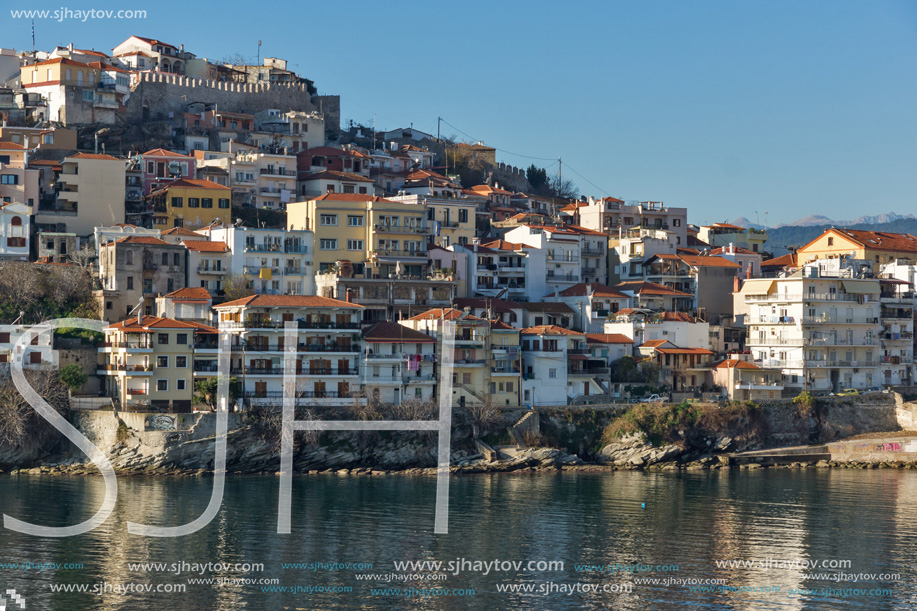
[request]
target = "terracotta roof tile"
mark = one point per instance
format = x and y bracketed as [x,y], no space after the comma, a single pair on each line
[392,332]
[548,330]
[288,301]
[608,338]
[93,156]
[160,152]
[205,246]
[189,293]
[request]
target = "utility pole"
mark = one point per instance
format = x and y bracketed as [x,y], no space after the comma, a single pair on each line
[438,120]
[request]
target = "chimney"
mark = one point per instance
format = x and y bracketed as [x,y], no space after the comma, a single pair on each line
[736,284]
[349,296]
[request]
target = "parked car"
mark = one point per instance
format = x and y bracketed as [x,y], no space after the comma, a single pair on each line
[848,392]
[655,399]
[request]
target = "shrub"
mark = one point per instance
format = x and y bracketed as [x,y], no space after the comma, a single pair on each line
[72,376]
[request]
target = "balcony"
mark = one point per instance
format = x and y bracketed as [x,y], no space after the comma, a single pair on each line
[201,270]
[279,371]
[469,362]
[129,346]
[59,208]
[504,371]
[758,386]
[296,249]
[262,248]
[142,370]
[579,351]
[556,277]
[838,320]
[794,297]
[294,271]
[267,347]
[393,252]
[896,337]
[266,323]
[276,172]
[300,396]
[589,251]
[568,258]
[255,270]
[409,229]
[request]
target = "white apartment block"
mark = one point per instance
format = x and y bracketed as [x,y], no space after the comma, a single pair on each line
[275,261]
[563,249]
[829,327]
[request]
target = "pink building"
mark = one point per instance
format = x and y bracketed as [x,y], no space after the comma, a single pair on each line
[160,167]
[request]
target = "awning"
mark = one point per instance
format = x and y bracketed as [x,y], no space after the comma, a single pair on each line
[757,287]
[577,357]
[861,286]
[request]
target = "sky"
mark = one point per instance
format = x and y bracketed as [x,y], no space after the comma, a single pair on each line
[769,110]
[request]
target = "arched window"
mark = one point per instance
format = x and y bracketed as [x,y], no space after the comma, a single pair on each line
[16,221]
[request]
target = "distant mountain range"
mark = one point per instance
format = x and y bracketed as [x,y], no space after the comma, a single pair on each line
[806,229]
[819,220]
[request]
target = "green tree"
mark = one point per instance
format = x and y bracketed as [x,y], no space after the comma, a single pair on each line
[205,391]
[536,176]
[72,376]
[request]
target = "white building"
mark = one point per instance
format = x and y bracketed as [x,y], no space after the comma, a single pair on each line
[14,232]
[564,252]
[208,264]
[399,363]
[643,326]
[549,375]
[328,350]
[829,327]
[39,353]
[276,261]
[593,304]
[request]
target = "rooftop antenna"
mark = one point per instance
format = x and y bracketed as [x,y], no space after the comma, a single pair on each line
[21,314]
[138,308]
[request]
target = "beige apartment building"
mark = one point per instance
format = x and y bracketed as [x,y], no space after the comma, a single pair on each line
[89,193]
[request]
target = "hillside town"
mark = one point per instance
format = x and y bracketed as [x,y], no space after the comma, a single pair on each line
[200,195]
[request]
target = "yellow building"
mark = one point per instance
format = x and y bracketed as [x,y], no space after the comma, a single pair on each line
[380,238]
[191,203]
[452,219]
[59,71]
[150,363]
[506,364]
[877,246]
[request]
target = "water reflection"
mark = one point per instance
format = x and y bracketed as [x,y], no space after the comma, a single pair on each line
[690,520]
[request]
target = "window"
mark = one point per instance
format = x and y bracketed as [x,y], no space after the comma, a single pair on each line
[463,215]
[176,202]
[328,219]
[676,222]
[466,378]
[150,167]
[9,179]
[181,362]
[170,285]
[509,387]
[165,258]
[179,384]
[830,241]
[363,190]
[207,202]
[162,385]
[552,373]
[224,203]
[162,338]
[181,338]
[354,244]
[194,202]
[354,221]
[327,244]
[162,361]
[348,188]
[130,283]
[176,259]
[87,94]
[108,305]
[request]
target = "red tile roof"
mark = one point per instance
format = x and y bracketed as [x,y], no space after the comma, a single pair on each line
[392,332]
[148,323]
[503,245]
[205,246]
[349,197]
[736,364]
[189,294]
[654,343]
[787,260]
[59,60]
[727,226]
[710,261]
[93,156]
[288,301]
[140,239]
[181,231]
[650,288]
[194,183]
[683,351]
[724,250]
[873,240]
[608,338]
[598,289]
[445,314]
[548,330]
[335,175]
[12,146]
[160,152]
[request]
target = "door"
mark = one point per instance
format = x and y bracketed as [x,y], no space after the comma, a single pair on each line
[319,389]
[35,358]
[261,389]
[343,366]
[344,389]
[397,396]
[585,388]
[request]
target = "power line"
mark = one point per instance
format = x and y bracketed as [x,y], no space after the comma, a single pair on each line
[497,149]
[605,191]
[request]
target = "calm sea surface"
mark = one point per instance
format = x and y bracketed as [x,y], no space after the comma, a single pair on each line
[775,518]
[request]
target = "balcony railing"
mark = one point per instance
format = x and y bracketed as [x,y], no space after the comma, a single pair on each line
[209,270]
[139,368]
[394,252]
[586,250]
[386,228]
[302,394]
[277,371]
[277,172]
[259,323]
[127,345]
[262,248]
[267,347]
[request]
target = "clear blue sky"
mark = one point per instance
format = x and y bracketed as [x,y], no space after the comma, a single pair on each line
[728,108]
